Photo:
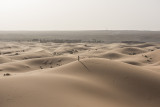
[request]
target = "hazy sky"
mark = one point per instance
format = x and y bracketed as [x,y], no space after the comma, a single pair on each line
[79,14]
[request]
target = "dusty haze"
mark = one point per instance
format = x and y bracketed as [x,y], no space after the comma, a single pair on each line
[79,14]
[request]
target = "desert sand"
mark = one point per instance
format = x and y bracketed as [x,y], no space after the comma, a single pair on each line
[36,74]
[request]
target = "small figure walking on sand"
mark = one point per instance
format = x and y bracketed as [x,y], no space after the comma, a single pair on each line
[78,58]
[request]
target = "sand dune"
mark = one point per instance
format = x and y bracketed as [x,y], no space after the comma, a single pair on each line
[107,75]
[4,60]
[34,64]
[31,55]
[90,82]
[112,55]
[132,51]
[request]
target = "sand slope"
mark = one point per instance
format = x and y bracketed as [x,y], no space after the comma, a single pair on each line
[90,82]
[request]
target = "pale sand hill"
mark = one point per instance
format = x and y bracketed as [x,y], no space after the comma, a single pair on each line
[107,75]
[35,64]
[90,82]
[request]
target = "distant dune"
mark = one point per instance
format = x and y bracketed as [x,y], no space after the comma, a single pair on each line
[34,74]
[107,36]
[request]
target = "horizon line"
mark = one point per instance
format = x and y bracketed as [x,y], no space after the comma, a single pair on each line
[72,30]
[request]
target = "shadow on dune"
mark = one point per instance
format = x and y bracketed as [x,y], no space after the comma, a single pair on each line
[84,65]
